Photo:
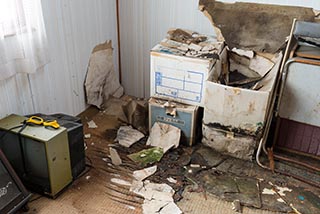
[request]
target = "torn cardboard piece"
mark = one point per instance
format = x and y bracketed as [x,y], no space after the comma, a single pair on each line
[164,136]
[136,112]
[240,24]
[126,136]
[130,110]
[101,80]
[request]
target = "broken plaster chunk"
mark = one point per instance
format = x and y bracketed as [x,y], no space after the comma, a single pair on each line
[158,198]
[130,207]
[236,206]
[164,136]
[282,190]
[87,136]
[170,208]
[268,191]
[208,47]
[281,200]
[126,136]
[246,53]
[115,158]
[195,47]
[172,180]
[142,174]
[120,182]
[92,125]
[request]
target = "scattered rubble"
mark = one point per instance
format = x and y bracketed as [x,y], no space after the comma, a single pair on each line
[142,174]
[92,125]
[115,158]
[192,44]
[157,198]
[126,136]
[87,136]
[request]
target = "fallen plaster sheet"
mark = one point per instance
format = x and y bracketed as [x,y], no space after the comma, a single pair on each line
[164,136]
[142,174]
[240,23]
[126,136]
[101,80]
[158,198]
[115,158]
[92,125]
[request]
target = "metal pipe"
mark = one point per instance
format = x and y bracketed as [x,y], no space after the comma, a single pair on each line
[297,162]
[267,127]
[118,36]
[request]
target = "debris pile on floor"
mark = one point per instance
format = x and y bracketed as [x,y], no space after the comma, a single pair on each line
[188,170]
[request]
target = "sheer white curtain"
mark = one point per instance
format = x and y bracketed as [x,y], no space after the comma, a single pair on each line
[23,41]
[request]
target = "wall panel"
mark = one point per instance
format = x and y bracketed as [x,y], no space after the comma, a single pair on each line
[73,27]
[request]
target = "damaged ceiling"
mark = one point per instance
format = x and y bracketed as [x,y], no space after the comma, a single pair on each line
[240,23]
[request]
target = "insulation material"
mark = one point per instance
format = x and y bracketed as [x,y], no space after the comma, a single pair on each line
[258,27]
[101,80]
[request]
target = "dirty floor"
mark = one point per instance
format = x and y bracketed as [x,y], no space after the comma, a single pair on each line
[207,182]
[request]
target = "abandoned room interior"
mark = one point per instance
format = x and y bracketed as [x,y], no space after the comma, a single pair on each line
[159,107]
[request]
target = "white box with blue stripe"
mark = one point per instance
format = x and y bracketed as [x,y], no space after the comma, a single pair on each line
[182,78]
[186,117]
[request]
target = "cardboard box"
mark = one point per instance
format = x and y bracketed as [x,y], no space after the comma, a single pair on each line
[240,110]
[182,78]
[186,117]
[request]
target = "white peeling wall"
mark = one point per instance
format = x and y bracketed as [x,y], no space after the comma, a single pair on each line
[73,27]
[144,23]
